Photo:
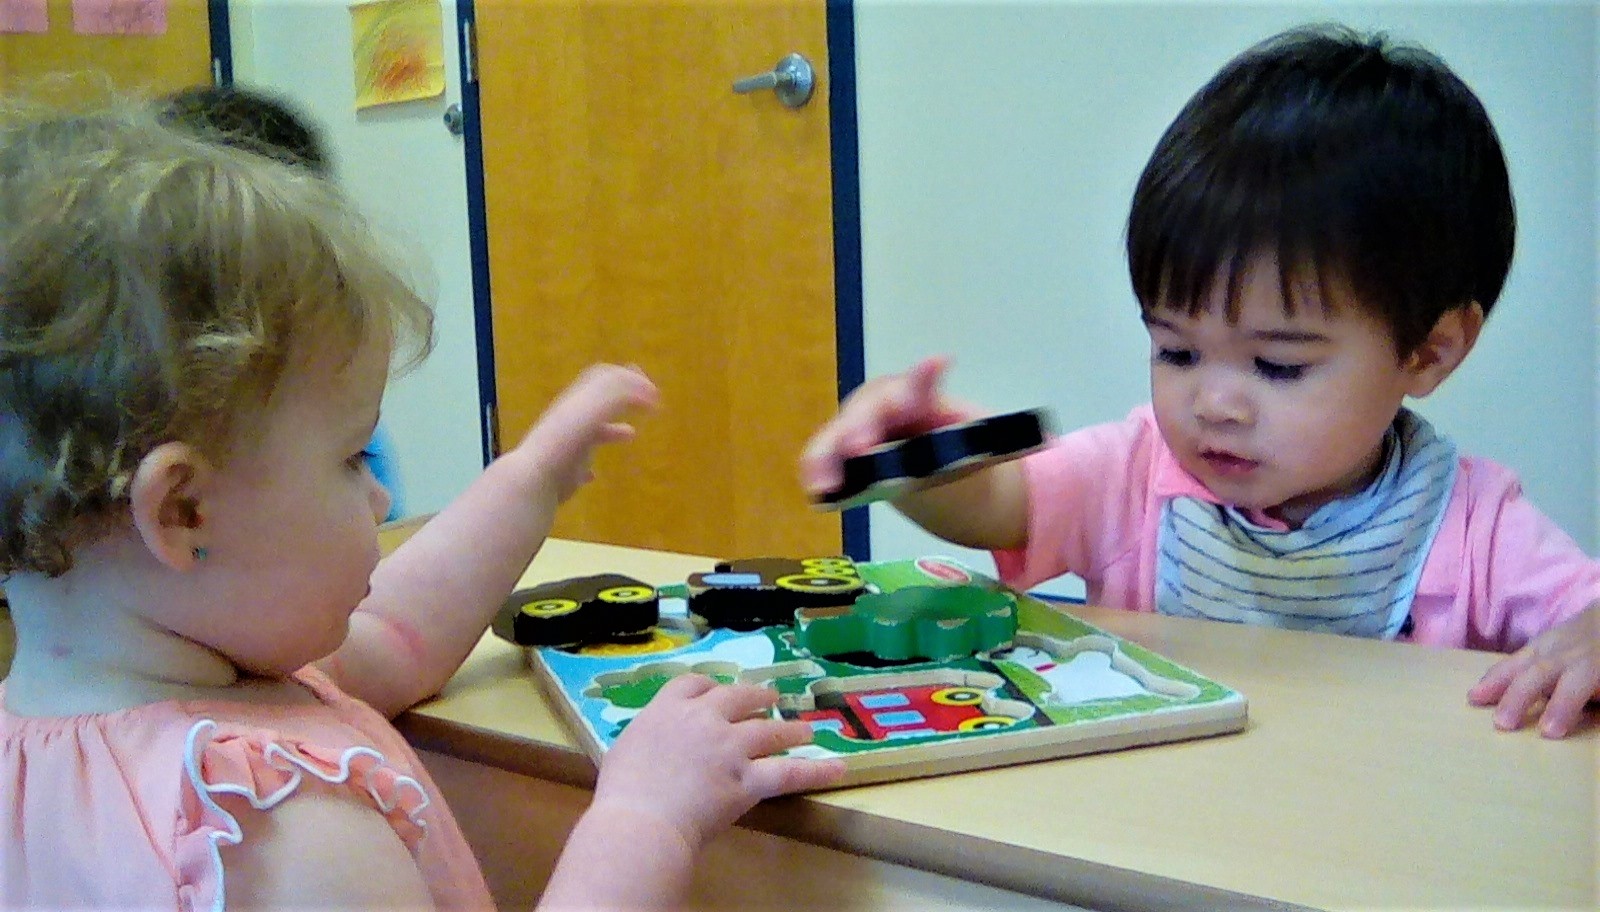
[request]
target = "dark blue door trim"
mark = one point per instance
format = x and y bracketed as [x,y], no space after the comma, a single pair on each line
[478,229]
[849,340]
[221,42]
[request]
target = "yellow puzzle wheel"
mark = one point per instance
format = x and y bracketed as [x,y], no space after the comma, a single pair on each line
[627,595]
[985,723]
[957,696]
[816,582]
[831,566]
[548,608]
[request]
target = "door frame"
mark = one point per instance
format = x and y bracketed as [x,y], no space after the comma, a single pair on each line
[221,42]
[477,227]
[849,342]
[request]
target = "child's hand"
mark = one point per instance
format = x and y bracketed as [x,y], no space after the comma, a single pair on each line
[1561,667]
[581,418]
[883,409]
[699,755]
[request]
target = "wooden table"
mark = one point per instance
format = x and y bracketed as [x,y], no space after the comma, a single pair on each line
[1364,780]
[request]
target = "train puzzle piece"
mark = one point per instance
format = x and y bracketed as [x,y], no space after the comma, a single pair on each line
[930,703]
[758,592]
[934,623]
[937,456]
[585,609]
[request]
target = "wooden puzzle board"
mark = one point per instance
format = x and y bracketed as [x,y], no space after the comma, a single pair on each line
[1064,688]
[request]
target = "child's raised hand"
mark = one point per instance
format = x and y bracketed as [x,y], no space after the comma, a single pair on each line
[700,754]
[585,415]
[883,409]
[1560,667]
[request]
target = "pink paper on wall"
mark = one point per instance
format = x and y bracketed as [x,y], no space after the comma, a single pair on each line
[24,16]
[119,17]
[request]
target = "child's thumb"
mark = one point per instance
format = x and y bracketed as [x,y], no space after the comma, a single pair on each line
[923,384]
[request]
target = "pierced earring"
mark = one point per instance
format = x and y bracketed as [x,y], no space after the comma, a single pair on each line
[200,554]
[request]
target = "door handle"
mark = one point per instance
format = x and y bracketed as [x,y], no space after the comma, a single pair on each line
[455,120]
[792,79]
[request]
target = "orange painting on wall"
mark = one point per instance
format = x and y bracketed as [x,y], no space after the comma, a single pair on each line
[399,51]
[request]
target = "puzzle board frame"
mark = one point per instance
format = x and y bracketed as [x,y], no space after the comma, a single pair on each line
[595,691]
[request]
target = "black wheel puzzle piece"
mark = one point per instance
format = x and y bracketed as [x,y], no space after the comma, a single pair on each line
[927,459]
[573,612]
[756,592]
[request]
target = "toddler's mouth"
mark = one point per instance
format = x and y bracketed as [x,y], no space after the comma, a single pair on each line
[1227,464]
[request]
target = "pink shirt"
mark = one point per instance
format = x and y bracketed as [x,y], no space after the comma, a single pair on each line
[116,810]
[1499,572]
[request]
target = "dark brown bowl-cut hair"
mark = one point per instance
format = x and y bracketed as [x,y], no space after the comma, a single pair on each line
[1346,158]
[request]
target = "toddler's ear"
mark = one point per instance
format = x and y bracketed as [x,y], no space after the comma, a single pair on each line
[166,498]
[1446,346]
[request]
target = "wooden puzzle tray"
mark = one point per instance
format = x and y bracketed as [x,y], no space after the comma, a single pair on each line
[903,668]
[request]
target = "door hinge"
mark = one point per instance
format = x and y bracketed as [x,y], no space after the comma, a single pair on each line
[469,52]
[491,430]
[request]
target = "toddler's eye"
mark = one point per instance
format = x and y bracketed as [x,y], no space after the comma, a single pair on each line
[1176,357]
[358,461]
[1272,370]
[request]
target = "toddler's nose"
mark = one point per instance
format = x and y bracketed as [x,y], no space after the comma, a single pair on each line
[378,497]
[1219,403]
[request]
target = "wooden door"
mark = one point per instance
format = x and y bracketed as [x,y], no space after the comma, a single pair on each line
[640,211]
[141,65]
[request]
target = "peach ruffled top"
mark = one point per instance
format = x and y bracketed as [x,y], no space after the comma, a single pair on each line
[120,810]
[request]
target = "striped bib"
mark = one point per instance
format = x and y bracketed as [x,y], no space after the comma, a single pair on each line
[1352,568]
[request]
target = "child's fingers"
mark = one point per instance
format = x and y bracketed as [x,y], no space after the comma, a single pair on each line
[922,385]
[771,776]
[765,737]
[686,687]
[616,389]
[617,432]
[1535,682]
[885,408]
[821,465]
[608,390]
[818,476]
[880,410]
[902,411]
[736,702]
[1492,686]
[1578,685]
[920,404]
[857,427]
[586,413]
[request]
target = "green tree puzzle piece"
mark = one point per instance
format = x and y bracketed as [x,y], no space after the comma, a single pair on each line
[927,622]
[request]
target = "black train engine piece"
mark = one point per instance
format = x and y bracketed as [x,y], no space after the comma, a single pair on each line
[571,612]
[758,592]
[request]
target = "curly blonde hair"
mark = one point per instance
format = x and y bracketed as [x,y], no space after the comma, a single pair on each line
[153,288]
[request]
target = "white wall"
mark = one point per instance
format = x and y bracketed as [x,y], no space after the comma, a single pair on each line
[1000,144]
[409,174]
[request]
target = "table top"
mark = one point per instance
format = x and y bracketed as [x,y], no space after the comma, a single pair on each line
[1363,780]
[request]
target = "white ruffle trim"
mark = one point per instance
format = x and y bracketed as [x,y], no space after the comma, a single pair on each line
[284,761]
